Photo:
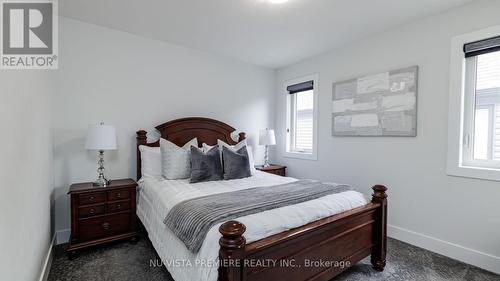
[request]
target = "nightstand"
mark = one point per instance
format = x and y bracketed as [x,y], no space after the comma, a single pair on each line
[273,169]
[102,214]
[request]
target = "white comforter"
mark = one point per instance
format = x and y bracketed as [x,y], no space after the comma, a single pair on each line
[157,197]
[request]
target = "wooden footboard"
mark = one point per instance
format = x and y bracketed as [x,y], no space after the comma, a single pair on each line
[317,251]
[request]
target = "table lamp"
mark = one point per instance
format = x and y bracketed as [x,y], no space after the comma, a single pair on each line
[101,138]
[267,138]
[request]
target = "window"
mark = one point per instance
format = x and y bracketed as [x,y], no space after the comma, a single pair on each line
[481,146]
[474,121]
[301,104]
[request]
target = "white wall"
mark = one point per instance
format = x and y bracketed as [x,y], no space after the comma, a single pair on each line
[137,83]
[426,207]
[26,172]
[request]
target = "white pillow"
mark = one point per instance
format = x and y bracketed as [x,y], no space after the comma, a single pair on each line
[175,160]
[251,160]
[150,161]
[236,147]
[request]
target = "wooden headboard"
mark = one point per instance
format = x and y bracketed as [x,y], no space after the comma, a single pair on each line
[180,131]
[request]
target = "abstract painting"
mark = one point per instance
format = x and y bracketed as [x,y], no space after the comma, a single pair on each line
[383,104]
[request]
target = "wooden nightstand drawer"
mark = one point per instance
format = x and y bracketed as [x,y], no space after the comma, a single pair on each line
[280,172]
[118,194]
[90,211]
[91,198]
[104,226]
[118,206]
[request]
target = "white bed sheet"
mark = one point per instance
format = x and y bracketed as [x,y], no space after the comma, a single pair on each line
[157,197]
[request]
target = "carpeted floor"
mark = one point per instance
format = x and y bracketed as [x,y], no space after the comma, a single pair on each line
[128,262]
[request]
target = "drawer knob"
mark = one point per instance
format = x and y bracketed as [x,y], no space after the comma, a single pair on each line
[91,198]
[118,195]
[92,211]
[105,226]
[118,206]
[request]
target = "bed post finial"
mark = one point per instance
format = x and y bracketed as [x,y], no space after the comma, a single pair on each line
[232,250]
[379,249]
[379,193]
[142,139]
[242,136]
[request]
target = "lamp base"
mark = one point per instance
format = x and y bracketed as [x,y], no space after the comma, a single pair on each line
[101,182]
[266,158]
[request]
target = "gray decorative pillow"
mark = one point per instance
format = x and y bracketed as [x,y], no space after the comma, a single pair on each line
[205,166]
[236,163]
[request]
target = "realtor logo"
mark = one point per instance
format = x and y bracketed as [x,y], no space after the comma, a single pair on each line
[29,35]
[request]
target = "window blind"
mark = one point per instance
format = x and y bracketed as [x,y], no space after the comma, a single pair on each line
[304,129]
[301,87]
[482,47]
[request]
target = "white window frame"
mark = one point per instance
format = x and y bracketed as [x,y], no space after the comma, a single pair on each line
[312,155]
[461,109]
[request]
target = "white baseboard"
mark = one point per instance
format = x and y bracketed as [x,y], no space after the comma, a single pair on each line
[63,236]
[44,274]
[454,251]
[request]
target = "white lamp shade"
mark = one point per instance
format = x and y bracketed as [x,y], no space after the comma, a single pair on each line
[267,137]
[101,137]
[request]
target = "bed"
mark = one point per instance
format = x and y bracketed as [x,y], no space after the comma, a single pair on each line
[313,240]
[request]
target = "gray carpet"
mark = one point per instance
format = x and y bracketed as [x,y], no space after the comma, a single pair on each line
[128,262]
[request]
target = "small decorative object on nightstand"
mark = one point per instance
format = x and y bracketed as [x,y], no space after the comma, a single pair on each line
[100,215]
[101,137]
[273,169]
[267,138]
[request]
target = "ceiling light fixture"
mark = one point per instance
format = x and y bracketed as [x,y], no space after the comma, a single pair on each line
[277,1]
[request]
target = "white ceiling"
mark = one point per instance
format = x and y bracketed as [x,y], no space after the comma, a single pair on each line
[271,35]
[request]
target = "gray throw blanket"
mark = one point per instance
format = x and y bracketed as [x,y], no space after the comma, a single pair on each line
[192,219]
